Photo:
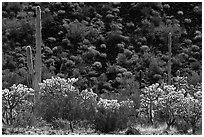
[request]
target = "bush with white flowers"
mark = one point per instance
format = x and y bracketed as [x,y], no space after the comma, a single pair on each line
[168,104]
[191,111]
[59,99]
[112,114]
[57,86]
[14,100]
[149,100]
[107,104]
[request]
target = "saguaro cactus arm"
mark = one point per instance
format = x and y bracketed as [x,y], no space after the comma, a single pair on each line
[30,65]
[29,60]
[140,78]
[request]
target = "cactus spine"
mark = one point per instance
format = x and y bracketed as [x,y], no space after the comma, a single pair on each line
[169,61]
[36,72]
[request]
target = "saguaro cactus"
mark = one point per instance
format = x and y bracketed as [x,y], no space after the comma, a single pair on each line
[36,72]
[38,59]
[169,61]
[136,95]
[165,78]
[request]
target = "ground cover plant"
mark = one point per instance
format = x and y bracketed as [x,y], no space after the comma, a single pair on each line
[106,68]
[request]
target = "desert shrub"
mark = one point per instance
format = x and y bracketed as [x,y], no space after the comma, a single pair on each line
[168,104]
[106,116]
[60,124]
[191,111]
[59,99]
[149,100]
[17,104]
[127,109]
[181,125]
[25,117]
[88,104]
[112,115]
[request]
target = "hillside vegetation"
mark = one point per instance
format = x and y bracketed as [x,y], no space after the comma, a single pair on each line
[105,66]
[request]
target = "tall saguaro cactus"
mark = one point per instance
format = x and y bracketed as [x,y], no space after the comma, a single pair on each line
[169,60]
[36,72]
[38,59]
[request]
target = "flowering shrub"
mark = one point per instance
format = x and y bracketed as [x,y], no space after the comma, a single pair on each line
[174,104]
[25,116]
[168,88]
[180,82]
[127,103]
[168,104]
[126,110]
[191,111]
[59,99]
[198,92]
[57,86]
[112,115]
[14,101]
[111,105]
[89,95]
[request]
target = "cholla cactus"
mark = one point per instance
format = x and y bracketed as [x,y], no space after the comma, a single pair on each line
[57,87]
[190,109]
[14,98]
[127,103]
[112,105]
[168,103]
[168,88]
[149,99]
[89,95]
